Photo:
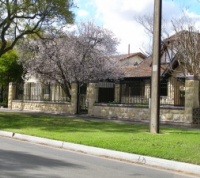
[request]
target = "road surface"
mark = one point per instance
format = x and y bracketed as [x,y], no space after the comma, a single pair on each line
[20,159]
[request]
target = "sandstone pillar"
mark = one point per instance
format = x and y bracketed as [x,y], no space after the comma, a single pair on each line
[11,94]
[91,97]
[191,97]
[74,92]
[117,93]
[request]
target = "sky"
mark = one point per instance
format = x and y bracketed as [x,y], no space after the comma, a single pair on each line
[118,16]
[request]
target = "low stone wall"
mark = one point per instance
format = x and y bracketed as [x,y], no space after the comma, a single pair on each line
[127,112]
[121,111]
[173,115]
[43,106]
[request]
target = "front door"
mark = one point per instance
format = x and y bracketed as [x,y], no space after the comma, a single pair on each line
[179,95]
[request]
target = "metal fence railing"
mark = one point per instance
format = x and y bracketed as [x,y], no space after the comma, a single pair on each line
[40,92]
[137,92]
[134,92]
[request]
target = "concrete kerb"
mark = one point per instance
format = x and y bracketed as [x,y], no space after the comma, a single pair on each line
[32,139]
[140,159]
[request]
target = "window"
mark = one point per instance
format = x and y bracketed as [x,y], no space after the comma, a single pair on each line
[106,92]
[163,87]
[133,88]
[46,92]
[47,89]
[132,91]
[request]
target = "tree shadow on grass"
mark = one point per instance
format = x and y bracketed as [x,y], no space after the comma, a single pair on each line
[183,131]
[64,123]
[61,124]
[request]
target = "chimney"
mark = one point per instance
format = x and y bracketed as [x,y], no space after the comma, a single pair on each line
[128,49]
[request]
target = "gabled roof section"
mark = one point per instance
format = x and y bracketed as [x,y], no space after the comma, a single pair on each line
[143,70]
[180,34]
[128,56]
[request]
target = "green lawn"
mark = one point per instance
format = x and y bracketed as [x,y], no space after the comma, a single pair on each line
[174,144]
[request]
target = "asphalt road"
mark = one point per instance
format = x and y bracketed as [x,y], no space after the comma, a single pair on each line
[19,159]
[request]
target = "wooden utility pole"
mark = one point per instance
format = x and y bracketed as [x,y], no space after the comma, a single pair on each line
[155,79]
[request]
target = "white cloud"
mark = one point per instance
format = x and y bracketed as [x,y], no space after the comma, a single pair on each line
[118,16]
[82,13]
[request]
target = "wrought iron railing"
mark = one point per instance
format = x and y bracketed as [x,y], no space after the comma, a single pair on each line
[37,92]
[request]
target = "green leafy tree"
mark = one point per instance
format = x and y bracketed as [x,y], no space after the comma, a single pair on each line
[10,71]
[19,18]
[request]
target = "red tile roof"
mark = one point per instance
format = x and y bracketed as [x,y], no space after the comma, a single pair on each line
[144,69]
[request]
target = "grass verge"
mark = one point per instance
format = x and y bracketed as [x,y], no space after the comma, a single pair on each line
[172,143]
